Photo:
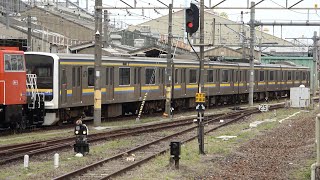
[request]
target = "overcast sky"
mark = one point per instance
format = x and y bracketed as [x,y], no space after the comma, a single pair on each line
[284,15]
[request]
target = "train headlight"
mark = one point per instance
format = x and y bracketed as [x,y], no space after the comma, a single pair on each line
[77,132]
[84,132]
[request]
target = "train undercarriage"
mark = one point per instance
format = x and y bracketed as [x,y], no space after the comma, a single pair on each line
[108,111]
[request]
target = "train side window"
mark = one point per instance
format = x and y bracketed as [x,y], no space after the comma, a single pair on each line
[304,76]
[261,76]
[7,62]
[79,76]
[176,78]
[64,77]
[107,76]
[124,76]
[218,76]
[225,77]
[183,75]
[241,76]
[150,76]
[73,77]
[271,76]
[90,76]
[162,77]
[193,76]
[255,76]
[111,76]
[283,75]
[289,75]
[297,75]
[210,76]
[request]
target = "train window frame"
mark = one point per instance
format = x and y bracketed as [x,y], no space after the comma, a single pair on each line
[176,76]
[183,75]
[107,76]
[289,76]
[121,79]
[271,76]
[192,76]
[210,77]
[90,77]
[224,77]
[261,76]
[150,78]
[20,62]
[73,77]
[297,75]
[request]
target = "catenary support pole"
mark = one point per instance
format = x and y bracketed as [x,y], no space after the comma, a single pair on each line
[252,38]
[169,66]
[97,64]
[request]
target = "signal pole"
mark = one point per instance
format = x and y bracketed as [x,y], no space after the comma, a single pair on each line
[201,78]
[97,63]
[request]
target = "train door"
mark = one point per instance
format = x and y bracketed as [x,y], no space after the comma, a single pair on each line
[63,88]
[183,81]
[137,82]
[110,83]
[161,81]
[76,84]
[218,80]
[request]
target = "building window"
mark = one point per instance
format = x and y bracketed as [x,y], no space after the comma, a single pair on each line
[124,76]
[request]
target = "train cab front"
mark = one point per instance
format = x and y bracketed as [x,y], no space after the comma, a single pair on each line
[12,89]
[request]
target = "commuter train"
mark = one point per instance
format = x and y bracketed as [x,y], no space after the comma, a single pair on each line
[16,110]
[67,80]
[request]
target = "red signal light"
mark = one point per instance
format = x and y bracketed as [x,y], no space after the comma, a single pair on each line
[190,25]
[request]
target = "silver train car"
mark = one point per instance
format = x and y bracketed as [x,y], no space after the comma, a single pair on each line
[67,80]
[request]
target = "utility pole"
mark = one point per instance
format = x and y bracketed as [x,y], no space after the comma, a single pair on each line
[29,33]
[252,37]
[315,68]
[201,78]
[243,38]
[106,29]
[169,68]
[213,30]
[97,64]
[7,13]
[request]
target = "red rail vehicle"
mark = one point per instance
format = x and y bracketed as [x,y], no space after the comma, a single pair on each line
[17,110]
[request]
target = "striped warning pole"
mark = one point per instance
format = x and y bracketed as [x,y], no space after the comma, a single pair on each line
[141,107]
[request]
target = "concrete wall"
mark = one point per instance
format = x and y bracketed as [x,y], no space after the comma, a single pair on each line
[61,25]
[12,33]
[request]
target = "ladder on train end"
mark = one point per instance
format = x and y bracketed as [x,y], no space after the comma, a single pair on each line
[32,89]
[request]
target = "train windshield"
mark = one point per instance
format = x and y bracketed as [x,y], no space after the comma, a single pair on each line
[42,66]
[13,62]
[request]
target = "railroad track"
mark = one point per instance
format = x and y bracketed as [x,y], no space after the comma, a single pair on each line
[16,152]
[113,166]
